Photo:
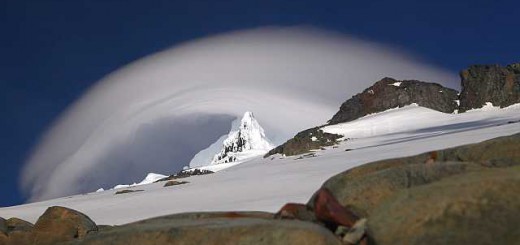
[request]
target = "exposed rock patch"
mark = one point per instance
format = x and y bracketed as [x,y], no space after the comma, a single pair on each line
[186,173]
[126,191]
[303,142]
[389,93]
[489,83]
[174,182]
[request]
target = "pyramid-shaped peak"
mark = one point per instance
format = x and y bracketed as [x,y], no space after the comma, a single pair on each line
[248,140]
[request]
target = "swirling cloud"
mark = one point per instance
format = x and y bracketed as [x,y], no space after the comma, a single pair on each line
[155,114]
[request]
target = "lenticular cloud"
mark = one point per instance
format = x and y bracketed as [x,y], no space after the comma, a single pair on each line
[155,114]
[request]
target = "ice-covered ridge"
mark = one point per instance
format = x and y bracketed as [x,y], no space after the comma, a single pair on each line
[247,141]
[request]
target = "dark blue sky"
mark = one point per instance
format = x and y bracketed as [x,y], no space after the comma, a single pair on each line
[51,51]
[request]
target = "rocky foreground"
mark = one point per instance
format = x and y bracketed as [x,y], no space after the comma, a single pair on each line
[463,195]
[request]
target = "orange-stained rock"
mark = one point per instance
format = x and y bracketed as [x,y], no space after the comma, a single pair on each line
[60,224]
[329,211]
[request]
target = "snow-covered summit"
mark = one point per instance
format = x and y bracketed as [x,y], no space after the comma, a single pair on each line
[247,141]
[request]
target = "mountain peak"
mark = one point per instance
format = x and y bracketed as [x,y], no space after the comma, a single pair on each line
[247,141]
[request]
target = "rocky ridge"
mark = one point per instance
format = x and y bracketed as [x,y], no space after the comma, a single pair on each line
[494,84]
[481,85]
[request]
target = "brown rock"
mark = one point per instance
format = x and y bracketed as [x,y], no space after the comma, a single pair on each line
[329,211]
[3,226]
[175,182]
[16,224]
[126,191]
[213,229]
[296,211]
[60,224]
[481,207]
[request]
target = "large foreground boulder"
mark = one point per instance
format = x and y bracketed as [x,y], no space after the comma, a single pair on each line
[216,228]
[476,208]
[489,83]
[367,186]
[59,224]
[56,225]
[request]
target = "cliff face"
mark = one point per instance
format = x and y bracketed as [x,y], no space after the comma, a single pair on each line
[489,83]
[390,93]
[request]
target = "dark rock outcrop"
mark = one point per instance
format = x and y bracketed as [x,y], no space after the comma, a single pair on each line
[390,93]
[126,191]
[303,142]
[489,83]
[186,173]
[174,182]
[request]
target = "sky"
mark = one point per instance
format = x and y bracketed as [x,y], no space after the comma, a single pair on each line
[53,51]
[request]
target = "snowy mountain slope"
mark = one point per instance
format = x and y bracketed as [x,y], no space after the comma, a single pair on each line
[266,184]
[247,141]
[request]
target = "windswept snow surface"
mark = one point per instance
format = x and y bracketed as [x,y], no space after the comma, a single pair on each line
[267,184]
[150,178]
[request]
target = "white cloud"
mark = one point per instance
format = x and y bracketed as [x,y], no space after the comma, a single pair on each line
[155,114]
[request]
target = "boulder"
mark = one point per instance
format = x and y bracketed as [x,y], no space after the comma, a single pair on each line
[330,212]
[481,207]
[364,193]
[365,187]
[215,229]
[60,224]
[389,93]
[489,83]
[16,224]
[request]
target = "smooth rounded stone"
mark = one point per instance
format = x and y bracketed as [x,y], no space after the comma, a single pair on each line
[363,193]
[329,211]
[477,208]
[215,231]
[364,187]
[16,224]
[59,224]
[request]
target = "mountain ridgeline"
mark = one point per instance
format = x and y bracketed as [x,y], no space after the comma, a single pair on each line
[481,84]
